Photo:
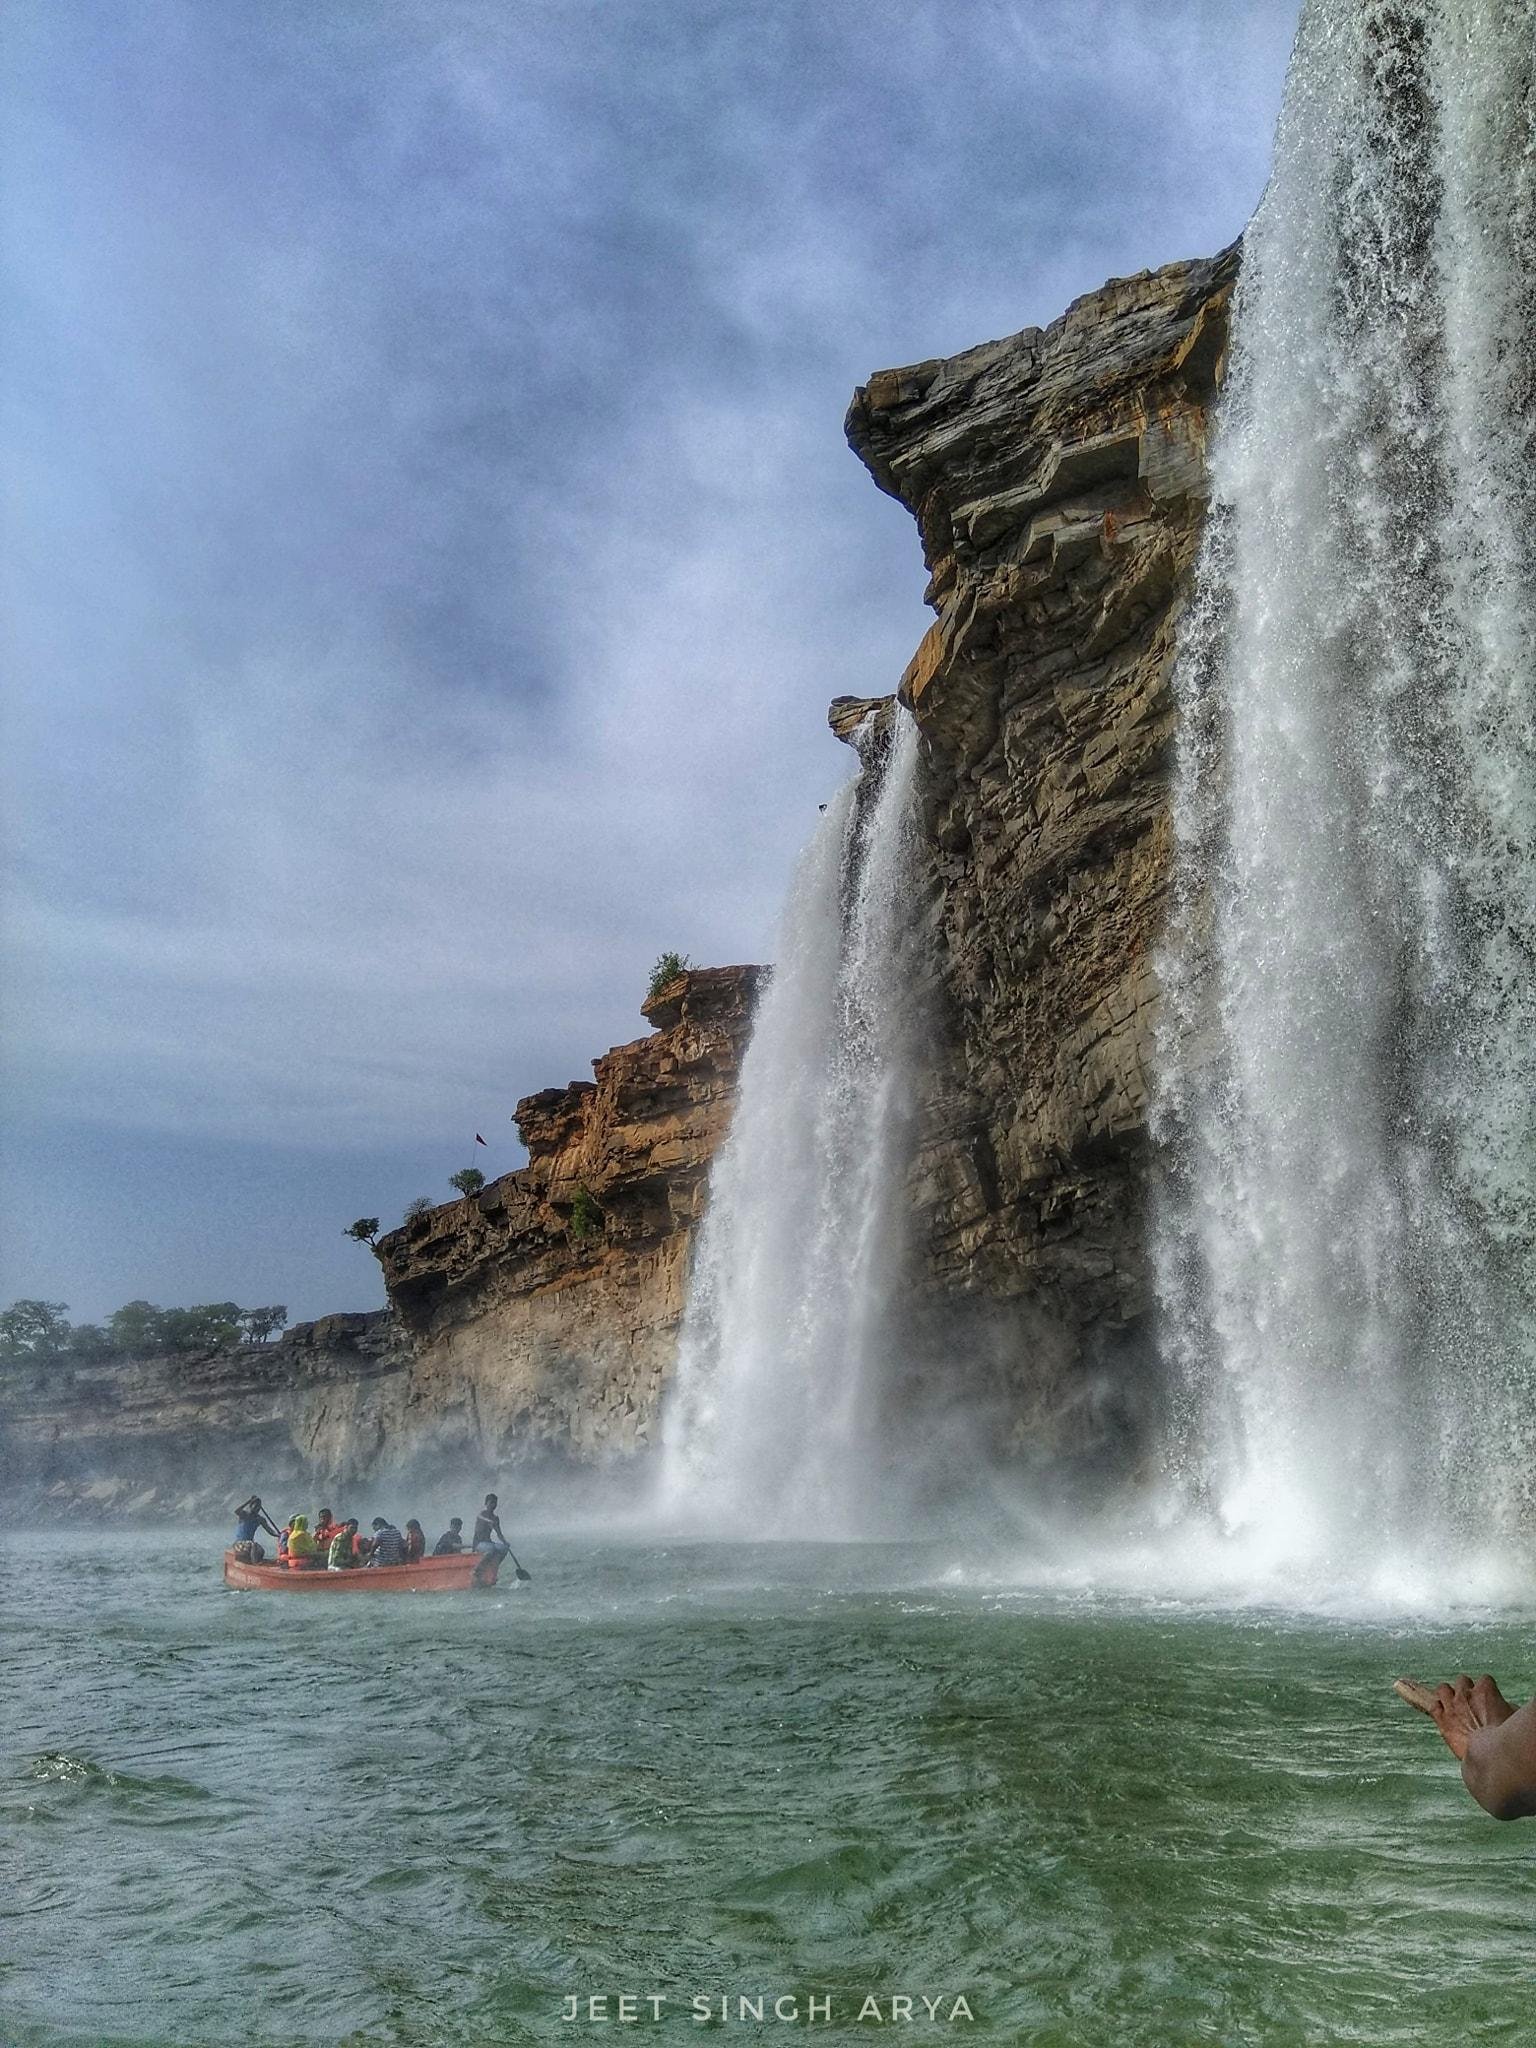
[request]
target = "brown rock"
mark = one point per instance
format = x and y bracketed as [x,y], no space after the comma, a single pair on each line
[1058,481]
[526,1331]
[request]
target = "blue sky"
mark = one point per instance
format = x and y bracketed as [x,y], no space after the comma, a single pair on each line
[429,544]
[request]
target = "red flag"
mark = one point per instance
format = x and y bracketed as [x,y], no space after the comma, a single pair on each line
[480,1141]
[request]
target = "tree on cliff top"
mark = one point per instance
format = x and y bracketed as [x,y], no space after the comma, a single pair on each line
[135,1327]
[667,968]
[260,1324]
[211,1326]
[139,1329]
[468,1182]
[34,1329]
[365,1229]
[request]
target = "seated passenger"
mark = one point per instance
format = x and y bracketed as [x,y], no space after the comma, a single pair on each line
[388,1545]
[451,1542]
[303,1549]
[415,1542]
[342,1554]
[326,1526]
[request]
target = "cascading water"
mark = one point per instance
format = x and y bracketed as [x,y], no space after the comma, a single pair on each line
[1347,1250]
[775,1421]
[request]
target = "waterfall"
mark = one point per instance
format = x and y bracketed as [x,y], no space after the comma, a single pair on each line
[775,1423]
[1347,1244]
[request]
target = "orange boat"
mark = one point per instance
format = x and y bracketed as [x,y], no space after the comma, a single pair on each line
[427,1575]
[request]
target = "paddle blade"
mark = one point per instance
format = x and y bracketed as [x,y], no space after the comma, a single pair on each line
[526,1577]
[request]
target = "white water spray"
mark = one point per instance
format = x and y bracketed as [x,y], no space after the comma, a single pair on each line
[1347,1254]
[775,1421]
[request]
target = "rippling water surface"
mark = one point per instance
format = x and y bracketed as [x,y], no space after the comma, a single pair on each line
[757,1771]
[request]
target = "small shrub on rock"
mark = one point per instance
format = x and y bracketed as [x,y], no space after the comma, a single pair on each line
[667,968]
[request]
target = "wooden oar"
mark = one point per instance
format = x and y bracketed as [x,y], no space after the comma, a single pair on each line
[1418,1696]
[526,1577]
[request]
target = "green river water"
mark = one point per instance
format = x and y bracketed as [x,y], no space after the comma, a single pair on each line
[685,1772]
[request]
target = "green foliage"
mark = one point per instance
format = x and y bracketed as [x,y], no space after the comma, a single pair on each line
[586,1216]
[260,1324]
[90,1340]
[213,1326]
[667,968]
[34,1329]
[135,1328]
[468,1182]
[365,1229]
[422,1206]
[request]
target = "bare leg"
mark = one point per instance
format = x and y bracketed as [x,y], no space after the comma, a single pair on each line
[1494,1742]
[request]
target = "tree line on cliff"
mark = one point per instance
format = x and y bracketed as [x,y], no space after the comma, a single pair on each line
[34,1331]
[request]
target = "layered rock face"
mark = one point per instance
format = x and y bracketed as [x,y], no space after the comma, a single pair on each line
[534,1321]
[189,1435]
[543,1312]
[1058,481]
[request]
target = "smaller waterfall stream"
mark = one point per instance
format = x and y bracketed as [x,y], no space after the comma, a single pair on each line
[774,1424]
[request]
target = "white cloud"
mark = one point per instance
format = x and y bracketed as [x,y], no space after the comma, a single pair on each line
[436,549]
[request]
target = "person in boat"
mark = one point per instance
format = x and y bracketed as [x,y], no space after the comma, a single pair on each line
[303,1550]
[250,1518]
[415,1542]
[1492,1740]
[326,1526]
[388,1545]
[451,1542]
[342,1554]
[488,1534]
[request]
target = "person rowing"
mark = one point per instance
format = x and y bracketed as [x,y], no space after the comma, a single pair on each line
[488,1533]
[1493,1741]
[250,1518]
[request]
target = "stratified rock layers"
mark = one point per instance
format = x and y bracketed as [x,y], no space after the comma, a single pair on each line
[189,1435]
[1058,479]
[535,1321]
[543,1312]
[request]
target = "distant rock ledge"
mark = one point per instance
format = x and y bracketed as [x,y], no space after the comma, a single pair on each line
[532,1322]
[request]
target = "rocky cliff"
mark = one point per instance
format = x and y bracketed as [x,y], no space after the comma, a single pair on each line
[190,1434]
[543,1312]
[533,1321]
[1058,481]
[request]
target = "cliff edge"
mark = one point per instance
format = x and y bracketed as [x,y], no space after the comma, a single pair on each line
[543,1312]
[534,1321]
[1058,480]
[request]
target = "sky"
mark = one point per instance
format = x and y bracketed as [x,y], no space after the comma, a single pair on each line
[429,545]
